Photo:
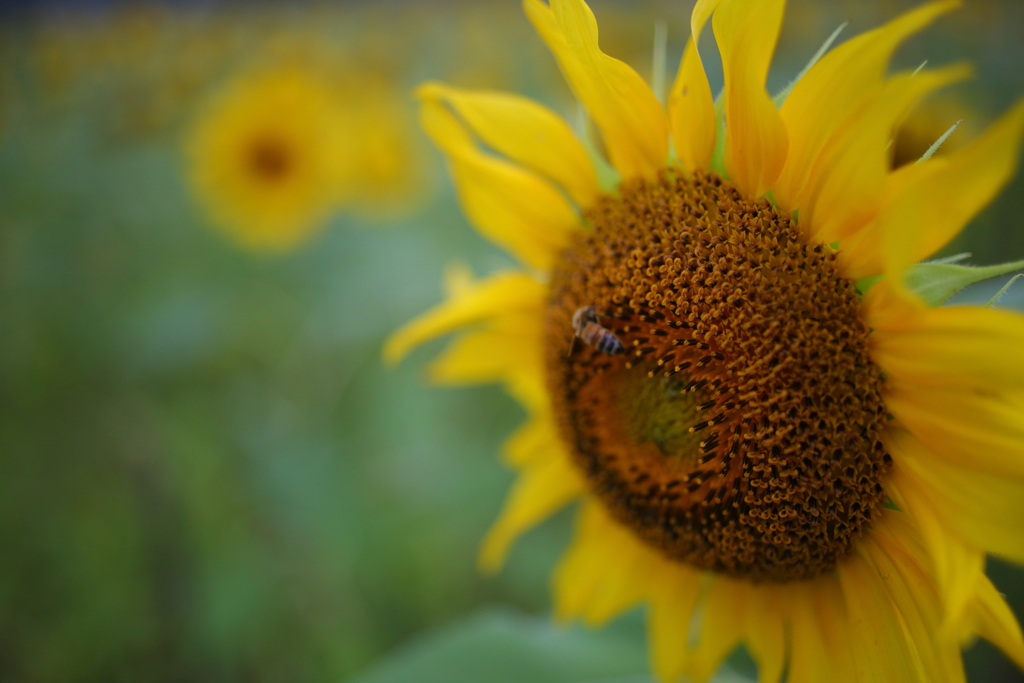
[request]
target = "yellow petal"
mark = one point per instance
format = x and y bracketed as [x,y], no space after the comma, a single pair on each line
[492,297]
[669,617]
[606,570]
[510,206]
[615,576]
[885,306]
[860,255]
[994,621]
[821,648]
[934,209]
[875,628]
[897,554]
[691,108]
[834,90]
[766,633]
[984,509]
[755,137]
[623,587]
[738,611]
[525,132]
[543,487]
[809,661]
[956,564]
[631,120]
[582,568]
[983,430]
[530,390]
[965,346]
[722,627]
[534,439]
[850,186]
[487,356]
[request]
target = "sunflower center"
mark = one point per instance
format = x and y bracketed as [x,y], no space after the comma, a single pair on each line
[270,159]
[719,395]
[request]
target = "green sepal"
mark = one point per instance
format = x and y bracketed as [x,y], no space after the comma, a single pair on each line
[867,283]
[607,177]
[718,155]
[889,505]
[780,98]
[937,281]
[1002,292]
[955,258]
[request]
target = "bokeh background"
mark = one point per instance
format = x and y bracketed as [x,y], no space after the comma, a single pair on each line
[206,472]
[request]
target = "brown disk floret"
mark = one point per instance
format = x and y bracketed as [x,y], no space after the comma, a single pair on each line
[739,430]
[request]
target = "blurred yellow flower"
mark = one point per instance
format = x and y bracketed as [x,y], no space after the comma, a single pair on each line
[268,158]
[387,158]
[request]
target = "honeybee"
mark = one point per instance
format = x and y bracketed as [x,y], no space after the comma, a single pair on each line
[587,328]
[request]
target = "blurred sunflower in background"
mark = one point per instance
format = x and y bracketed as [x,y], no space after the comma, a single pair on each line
[727,352]
[348,143]
[280,150]
[269,159]
[385,157]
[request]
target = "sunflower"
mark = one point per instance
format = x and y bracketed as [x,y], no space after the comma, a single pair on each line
[777,438]
[269,157]
[389,160]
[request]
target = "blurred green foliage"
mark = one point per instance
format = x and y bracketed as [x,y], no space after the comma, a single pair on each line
[205,471]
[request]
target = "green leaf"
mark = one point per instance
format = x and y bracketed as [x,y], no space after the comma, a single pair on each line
[501,646]
[780,98]
[867,283]
[937,282]
[1002,292]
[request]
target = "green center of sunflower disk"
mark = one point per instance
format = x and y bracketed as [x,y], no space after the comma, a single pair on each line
[738,429]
